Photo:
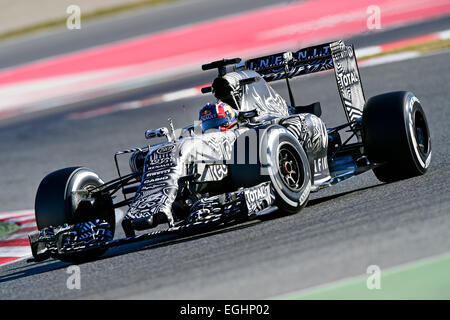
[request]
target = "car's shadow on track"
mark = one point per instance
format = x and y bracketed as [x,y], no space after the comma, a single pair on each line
[314,202]
[36,268]
[170,240]
[53,264]
[167,240]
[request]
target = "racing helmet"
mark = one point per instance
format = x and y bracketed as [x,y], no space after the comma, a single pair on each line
[218,116]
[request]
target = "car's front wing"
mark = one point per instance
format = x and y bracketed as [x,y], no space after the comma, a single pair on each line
[206,214]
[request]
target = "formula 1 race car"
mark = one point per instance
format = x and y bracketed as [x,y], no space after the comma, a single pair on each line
[251,154]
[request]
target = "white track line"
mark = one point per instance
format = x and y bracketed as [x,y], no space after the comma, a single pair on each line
[4,215]
[25,218]
[390,58]
[368,51]
[15,251]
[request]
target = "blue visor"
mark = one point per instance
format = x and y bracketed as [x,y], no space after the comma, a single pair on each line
[214,123]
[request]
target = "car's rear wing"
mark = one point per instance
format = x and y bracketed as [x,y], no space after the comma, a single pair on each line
[334,55]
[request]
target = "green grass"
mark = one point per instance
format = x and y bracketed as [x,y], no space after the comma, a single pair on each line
[427,279]
[61,22]
[6,228]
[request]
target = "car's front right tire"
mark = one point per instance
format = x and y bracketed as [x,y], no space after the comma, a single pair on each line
[286,163]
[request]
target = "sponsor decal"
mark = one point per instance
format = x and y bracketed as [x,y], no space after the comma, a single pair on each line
[265,62]
[277,60]
[208,112]
[165,149]
[305,193]
[146,187]
[258,198]
[427,162]
[348,78]
[218,172]
[311,52]
[320,164]
[163,178]
[411,100]
[208,115]
[155,167]
[257,194]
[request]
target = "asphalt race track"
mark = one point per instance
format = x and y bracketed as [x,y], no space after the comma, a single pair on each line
[343,230]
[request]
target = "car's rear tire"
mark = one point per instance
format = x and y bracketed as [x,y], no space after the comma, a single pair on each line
[396,135]
[56,204]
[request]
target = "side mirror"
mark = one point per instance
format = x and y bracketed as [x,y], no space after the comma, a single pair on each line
[161,132]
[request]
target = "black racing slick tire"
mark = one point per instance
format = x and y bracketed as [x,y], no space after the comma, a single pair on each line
[285,162]
[57,203]
[396,135]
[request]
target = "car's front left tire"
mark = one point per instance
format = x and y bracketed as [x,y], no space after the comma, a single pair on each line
[58,203]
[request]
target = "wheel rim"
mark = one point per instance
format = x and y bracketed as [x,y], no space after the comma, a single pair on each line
[291,170]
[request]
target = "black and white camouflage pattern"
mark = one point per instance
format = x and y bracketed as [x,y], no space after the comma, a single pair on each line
[244,203]
[313,136]
[348,80]
[165,164]
[71,238]
[258,95]
[159,184]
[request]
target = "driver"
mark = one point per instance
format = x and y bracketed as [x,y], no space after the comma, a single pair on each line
[217,116]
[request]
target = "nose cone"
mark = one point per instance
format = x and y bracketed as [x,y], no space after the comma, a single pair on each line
[144,223]
[147,222]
